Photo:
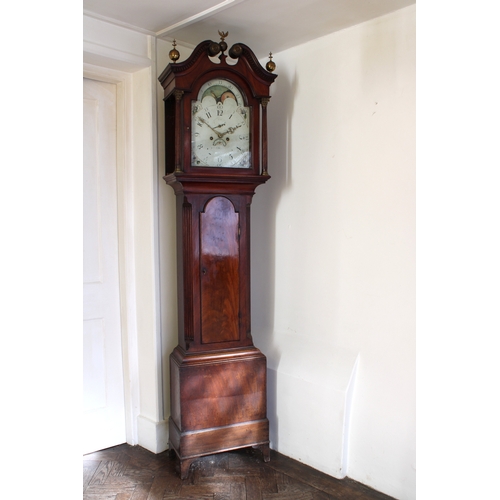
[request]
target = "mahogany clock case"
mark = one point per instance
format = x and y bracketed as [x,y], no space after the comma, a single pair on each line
[217,376]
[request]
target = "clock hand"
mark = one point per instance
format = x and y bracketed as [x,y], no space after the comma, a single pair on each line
[230,130]
[203,121]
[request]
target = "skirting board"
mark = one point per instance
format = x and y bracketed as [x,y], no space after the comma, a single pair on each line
[152,435]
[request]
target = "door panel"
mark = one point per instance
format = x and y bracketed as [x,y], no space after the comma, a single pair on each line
[220,285]
[104,408]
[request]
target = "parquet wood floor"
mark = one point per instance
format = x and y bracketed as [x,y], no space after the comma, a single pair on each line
[132,473]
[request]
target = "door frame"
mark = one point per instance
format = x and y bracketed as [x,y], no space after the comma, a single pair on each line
[126,267]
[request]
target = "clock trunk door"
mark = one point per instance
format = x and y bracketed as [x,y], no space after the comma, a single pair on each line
[220,272]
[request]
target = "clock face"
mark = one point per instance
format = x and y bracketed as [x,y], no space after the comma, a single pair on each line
[220,124]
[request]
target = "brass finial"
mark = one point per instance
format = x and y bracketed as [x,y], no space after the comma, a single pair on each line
[222,43]
[174,53]
[271,65]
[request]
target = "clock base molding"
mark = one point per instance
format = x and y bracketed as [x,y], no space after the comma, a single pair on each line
[188,446]
[218,403]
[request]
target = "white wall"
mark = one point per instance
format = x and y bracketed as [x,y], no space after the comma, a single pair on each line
[333,254]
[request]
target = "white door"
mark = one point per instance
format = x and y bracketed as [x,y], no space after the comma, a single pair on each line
[103,399]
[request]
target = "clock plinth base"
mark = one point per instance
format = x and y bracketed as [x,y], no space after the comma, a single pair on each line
[218,403]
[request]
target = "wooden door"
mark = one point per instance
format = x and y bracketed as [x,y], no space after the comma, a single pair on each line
[103,398]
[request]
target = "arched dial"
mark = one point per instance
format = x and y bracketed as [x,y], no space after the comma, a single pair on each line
[220,125]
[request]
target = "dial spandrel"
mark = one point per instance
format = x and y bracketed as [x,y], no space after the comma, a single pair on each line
[220,127]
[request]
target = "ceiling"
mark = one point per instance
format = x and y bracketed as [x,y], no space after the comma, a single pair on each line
[263,25]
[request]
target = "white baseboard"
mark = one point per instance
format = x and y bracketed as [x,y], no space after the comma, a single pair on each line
[152,435]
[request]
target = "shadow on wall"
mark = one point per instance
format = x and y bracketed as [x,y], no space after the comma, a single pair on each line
[263,237]
[310,385]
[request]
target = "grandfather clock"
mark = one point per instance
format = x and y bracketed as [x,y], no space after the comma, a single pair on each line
[216,156]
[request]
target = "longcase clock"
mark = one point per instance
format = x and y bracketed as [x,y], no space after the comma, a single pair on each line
[216,156]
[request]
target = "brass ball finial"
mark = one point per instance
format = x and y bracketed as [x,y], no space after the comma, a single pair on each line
[174,53]
[271,65]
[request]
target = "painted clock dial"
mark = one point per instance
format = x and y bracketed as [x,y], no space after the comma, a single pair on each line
[220,125]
